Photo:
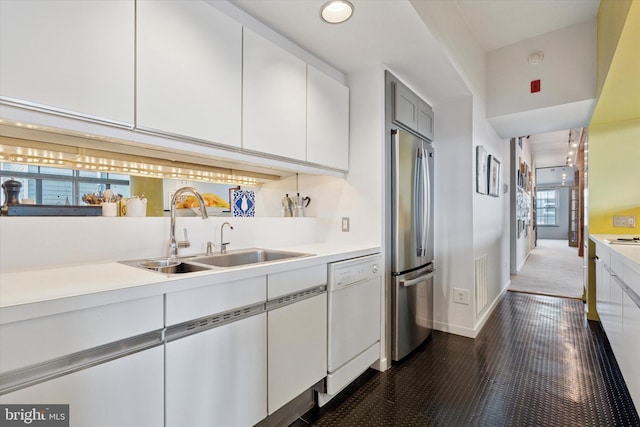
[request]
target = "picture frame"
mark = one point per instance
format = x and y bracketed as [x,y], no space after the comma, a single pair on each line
[494,176]
[482,171]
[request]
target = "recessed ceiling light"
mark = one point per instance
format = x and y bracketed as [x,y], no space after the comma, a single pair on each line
[336,11]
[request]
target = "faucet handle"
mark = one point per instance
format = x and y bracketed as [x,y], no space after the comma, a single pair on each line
[210,247]
[184,243]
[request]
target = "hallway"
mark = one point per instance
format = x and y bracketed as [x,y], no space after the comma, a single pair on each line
[537,361]
[552,268]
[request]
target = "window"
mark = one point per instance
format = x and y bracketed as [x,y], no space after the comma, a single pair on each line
[57,186]
[547,208]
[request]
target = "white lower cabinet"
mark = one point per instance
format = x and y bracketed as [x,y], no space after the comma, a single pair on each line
[126,392]
[297,349]
[218,377]
[618,305]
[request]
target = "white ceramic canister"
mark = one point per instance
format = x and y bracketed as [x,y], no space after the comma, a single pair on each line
[136,206]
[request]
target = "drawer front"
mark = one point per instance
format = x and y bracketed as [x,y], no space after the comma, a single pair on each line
[288,282]
[194,303]
[36,340]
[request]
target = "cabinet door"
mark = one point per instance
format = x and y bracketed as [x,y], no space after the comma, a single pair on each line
[188,70]
[218,377]
[405,106]
[297,349]
[613,327]
[274,99]
[124,392]
[327,120]
[75,56]
[603,291]
[630,333]
[425,119]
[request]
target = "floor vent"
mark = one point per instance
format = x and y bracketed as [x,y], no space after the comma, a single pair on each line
[481,283]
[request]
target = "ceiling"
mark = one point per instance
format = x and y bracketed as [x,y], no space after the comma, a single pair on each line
[499,23]
[392,33]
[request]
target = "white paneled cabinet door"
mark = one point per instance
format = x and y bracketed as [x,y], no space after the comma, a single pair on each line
[218,377]
[297,349]
[405,106]
[69,55]
[124,392]
[425,119]
[327,120]
[189,70]
[274,99]
[631,333]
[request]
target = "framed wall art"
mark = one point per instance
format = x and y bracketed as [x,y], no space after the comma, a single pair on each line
[494,176]
[482,173]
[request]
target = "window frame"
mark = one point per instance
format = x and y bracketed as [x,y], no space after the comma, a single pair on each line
[540,208]
[74,178]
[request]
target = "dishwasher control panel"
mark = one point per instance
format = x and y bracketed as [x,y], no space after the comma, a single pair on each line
[347,272]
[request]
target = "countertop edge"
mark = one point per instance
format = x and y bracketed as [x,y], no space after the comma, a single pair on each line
[131,283]
[629,252]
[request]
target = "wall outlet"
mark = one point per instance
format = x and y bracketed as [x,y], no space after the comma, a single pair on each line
[345,224]
[461,296]
[628,221]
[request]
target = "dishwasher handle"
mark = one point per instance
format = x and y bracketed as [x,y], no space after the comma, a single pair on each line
[412,282]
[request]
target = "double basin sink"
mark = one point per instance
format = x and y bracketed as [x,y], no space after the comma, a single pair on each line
[195,263]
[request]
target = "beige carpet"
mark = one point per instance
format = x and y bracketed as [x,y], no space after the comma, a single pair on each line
[553,268]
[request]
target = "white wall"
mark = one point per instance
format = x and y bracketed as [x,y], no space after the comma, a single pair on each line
[567,72]
[460,126]
[491,218]
[453,219]
[43,242]
[520,246]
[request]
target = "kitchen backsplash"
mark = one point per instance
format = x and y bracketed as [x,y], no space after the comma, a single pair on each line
[42,242]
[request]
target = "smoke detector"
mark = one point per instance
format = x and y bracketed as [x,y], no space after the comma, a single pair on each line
[535,57]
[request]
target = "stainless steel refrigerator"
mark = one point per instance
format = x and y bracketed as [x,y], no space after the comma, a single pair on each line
[412,241]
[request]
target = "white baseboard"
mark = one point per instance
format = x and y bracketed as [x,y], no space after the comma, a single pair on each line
[472,332]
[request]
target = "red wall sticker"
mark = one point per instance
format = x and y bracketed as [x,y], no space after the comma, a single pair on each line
[535,86]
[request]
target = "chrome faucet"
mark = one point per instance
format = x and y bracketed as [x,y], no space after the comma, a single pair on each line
[223,244]
[173,244]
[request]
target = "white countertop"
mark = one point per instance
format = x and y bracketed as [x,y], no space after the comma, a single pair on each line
[630,252]
[36,293]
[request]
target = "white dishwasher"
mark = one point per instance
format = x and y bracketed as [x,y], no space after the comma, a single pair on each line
[354,288]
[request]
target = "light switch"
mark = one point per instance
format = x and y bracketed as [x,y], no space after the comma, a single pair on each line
[345,224]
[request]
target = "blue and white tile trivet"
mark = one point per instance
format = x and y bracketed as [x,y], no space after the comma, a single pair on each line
[244,203]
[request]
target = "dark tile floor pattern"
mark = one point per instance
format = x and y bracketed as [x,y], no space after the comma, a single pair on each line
[537,362]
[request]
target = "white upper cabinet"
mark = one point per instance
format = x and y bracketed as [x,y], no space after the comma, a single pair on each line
[411,111]
[425,119]
[274,99]
[327,120]
[189,70]
[74,56]
[405,106]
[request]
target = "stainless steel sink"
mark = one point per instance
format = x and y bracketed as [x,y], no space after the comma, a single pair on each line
[195,263]
[181,268]
[246,256]
[166,265]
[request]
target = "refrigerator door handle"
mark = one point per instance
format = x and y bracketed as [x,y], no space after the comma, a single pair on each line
[412,282]
[418,194]
[426,200]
